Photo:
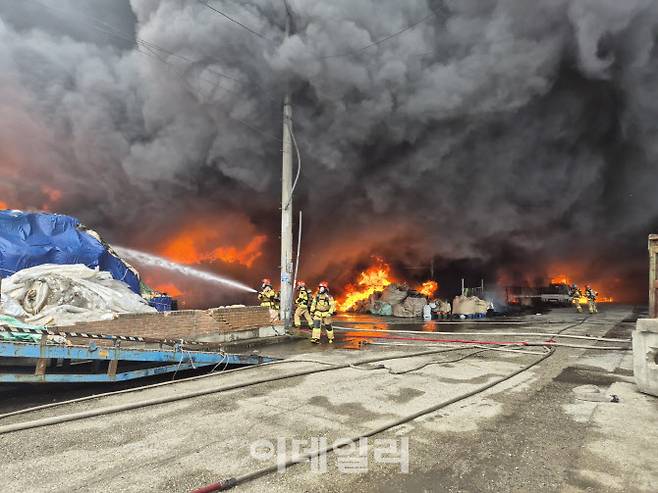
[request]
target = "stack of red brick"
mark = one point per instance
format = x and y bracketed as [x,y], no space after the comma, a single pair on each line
[183,324]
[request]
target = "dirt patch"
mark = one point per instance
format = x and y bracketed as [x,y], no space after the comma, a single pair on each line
[582,376]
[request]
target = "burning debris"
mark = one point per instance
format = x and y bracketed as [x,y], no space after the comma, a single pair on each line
[562,280]
[379,292]
[559,292]
[372,280]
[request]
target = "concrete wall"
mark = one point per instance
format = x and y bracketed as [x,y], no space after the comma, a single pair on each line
[183,324]
[645,355]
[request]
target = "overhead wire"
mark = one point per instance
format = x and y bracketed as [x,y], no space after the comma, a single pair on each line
[113,31]
[299,164]
[357,51]
[155,51]
[235,21]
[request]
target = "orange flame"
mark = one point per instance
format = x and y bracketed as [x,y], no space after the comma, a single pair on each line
[3,205]
[561,279]
[198,244]
[169,288]
[428,288]
[53,196]
[564,279]
[370,281]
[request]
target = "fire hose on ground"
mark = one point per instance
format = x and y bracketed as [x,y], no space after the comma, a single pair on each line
[494,343]
[385,334]
[231,482]
[505,334]
[38,423]
[369,336]
[153,385]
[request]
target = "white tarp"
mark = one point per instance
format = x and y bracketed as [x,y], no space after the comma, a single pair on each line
[52,294]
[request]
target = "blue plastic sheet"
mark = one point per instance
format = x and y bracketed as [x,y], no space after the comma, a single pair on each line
[162,303]
[28,239]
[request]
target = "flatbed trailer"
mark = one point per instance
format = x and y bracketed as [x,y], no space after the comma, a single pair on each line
[45,362]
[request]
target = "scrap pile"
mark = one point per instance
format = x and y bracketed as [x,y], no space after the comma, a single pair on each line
[395,300]
[53,294]
[470,306]
[56,271]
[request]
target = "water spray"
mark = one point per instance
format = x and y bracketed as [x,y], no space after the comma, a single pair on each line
[155,261]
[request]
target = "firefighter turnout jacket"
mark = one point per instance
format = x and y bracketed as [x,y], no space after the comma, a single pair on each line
[303,298]
[268,297]
[323,306]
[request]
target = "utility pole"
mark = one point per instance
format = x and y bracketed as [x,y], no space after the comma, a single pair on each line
[286,206]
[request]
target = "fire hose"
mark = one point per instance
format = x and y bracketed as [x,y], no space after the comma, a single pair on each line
[231,482]
[38,423]
[384,335]
[506,334]
[153,385]
[494,343]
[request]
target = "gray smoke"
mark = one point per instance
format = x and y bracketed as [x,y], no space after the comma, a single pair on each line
[521,134]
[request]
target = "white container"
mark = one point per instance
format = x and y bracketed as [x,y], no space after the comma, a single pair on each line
[427,312]
[645,355]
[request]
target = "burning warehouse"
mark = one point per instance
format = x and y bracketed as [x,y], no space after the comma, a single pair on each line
[390,154]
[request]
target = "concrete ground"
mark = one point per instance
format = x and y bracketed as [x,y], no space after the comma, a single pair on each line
[530,433]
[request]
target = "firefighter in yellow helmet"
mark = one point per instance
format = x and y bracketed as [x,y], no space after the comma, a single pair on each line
[269,298]
[322,308]
[591,295]
[575,295]
[303,305]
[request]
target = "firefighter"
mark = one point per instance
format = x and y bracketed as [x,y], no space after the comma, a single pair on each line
[269,298]
[575,295]
[322,308]
[302,305]
[591,295]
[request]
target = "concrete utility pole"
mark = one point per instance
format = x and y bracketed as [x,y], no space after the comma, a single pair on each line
[286,207]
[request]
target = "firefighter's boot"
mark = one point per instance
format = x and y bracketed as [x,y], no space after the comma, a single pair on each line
[330,334]
[315,334]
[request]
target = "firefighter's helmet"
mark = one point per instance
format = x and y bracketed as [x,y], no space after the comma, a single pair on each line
[324,284]
[267,282]
[301,284]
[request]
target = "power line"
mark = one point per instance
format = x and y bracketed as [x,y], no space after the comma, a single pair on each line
[432,13]
[141,41]
[152,50]
[235,21]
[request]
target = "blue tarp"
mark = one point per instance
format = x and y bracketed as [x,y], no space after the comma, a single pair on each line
[28,239]
[162,303]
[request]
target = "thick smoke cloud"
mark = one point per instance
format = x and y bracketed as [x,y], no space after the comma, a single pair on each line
[521,135]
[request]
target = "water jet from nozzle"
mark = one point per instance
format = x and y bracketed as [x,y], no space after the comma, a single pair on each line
[162,263]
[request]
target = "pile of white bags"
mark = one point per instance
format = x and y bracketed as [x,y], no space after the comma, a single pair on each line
[52,294]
